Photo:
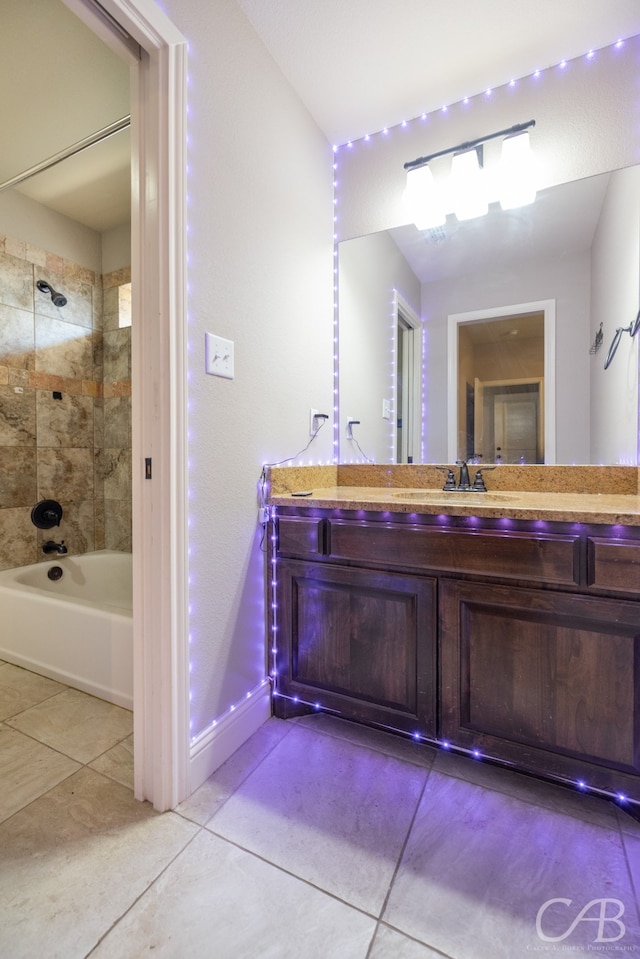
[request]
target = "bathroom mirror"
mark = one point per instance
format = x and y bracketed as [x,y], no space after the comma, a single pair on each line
[576,247]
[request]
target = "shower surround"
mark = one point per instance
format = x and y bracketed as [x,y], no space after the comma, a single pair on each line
[65,404]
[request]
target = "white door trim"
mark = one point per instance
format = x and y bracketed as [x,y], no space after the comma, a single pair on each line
[412,425]
[159,401]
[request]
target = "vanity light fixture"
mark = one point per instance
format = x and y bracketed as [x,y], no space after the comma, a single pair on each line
[466,192]
[423,202]
[516,173]
[469,185]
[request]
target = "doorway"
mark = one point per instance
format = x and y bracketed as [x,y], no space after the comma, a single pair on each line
[501,384]
[505,422]
[408,381]
[158,110]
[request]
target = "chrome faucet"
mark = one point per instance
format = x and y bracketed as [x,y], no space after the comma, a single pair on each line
[51,547]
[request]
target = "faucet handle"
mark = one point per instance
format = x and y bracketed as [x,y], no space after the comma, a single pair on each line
[478,483]
[450,482]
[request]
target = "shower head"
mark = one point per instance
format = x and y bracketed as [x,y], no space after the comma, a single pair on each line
[57,298]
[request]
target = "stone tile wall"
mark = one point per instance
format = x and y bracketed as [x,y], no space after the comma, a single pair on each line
[65,394]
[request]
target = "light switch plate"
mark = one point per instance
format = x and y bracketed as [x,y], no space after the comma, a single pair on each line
[218,356]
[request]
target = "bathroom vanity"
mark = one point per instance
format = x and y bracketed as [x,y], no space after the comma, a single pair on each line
[506,627]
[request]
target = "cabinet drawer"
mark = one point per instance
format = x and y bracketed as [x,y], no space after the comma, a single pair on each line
[301,536]
[548,558]
[614,564]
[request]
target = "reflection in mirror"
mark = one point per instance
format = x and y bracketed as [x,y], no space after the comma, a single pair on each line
[577,247]
[501,410]
[502,384]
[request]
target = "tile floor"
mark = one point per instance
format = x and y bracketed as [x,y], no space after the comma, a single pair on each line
[316,839]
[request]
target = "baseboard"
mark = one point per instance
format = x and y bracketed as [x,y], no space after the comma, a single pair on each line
[214,746]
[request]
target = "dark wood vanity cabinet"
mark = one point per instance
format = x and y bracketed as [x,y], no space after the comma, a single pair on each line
[545,680]
[520,645]
[362,642]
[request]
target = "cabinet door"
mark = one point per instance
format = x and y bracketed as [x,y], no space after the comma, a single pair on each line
[549,681]
[360,642]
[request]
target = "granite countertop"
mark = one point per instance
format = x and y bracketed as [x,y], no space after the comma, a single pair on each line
[573,507]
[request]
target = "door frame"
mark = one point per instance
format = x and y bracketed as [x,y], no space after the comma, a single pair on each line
[412,394]
[548,307]
[159,395]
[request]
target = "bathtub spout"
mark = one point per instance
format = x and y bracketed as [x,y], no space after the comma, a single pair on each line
[51,547]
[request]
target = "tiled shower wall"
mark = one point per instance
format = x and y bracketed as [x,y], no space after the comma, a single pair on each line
[65,404]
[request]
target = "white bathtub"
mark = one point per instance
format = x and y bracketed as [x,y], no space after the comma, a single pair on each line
[77,629]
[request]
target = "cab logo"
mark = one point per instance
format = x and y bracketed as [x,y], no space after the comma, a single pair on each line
[604,915]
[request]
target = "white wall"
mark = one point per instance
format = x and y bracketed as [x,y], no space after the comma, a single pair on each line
[370,269]
[116,248]
[260,274]
[615,288]
[25,219]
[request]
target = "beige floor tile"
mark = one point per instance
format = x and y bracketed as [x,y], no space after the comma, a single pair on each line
[561,799]
[75,860]
[27,770]
[117,763]
[390,944]
[78,725]
[632,850]
[206,800]
[419,754]
[20,689]
[629,824]
[480,865]
[216,901]
[327,811]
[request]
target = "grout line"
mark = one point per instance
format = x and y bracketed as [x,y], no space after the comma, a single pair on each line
[40,701]
[371,746]
[147,888]
[240,783]
[288,872]
[42,794]
[406,935]
[626,856]
[406,842]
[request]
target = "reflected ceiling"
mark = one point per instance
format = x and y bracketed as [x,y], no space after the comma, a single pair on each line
[560,221]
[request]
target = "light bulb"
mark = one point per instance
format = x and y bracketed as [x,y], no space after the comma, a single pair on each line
[468,185]
[422,200]
[516,176]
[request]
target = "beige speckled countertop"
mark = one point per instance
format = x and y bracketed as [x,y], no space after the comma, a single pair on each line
[561,507]
[582,494]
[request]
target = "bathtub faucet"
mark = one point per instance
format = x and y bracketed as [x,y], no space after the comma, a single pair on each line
[51,547]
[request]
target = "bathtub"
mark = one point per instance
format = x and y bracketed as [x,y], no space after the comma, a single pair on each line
[77,629]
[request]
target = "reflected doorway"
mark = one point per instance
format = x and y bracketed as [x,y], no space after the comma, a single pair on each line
[506,422]
[408,382]
[501,403]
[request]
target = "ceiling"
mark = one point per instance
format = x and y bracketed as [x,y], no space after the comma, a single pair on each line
[357,65]
[361,65]
[60,84]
